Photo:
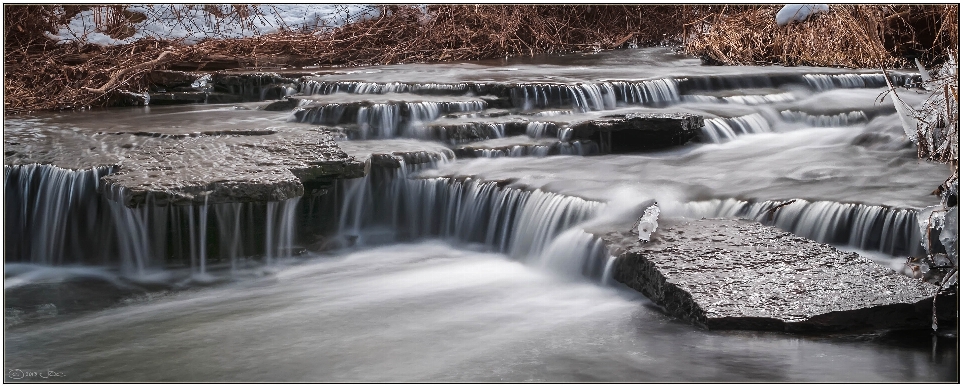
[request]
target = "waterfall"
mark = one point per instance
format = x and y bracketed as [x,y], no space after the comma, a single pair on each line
[578,253]
[842,119]
[651,92]
[552,113]
[389,205]
[867,227]
[312,87]
[458,132]
[743,99]
[578,148]
[155,236]
[381,120]
[329,114]
[585,97]
[717,130]
[541,129]
[821,82]
[384,120]
[51,213]
[57,217]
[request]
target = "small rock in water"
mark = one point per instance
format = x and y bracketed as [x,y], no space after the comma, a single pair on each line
[648,223]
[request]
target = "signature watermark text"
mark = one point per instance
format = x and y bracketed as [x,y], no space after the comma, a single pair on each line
[33,374]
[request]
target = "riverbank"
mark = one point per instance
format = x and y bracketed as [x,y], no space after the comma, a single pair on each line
[45,74]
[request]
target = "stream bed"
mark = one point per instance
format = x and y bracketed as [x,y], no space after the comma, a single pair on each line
[434,267]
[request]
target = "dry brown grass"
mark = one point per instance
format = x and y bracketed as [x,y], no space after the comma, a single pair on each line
[41,75]
[855,36]
[46,76]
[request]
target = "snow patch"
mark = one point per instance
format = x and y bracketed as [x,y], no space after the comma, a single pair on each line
[192,24]
[799,12]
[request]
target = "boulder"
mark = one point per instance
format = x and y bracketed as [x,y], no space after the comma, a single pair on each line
[737,274]
[624,133]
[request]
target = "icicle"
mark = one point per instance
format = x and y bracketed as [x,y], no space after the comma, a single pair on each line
[923,71]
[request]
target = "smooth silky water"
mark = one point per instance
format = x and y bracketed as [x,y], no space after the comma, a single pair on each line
[485,269]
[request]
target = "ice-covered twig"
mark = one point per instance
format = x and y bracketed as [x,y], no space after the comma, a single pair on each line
[923,71]
[904,111]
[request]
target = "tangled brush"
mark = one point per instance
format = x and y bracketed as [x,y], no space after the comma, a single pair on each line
[42,74]
[853,36]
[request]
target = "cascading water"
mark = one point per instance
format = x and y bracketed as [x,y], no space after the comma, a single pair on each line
[749,100]
[868,227]
[60,218]
[594,96]
[717,130]
[578,148]
[822,82]
[378,121]
[842,119]
[391,205]
[313,87]
[51,213]
[550,214]
[384,120]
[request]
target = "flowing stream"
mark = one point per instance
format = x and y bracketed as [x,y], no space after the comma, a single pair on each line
[468,251]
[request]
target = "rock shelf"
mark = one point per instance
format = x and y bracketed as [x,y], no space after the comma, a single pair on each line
[736,274]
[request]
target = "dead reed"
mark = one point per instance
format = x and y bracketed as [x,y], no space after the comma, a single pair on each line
[855,36]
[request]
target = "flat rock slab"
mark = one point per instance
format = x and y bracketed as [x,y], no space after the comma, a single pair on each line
[230,168]
[736,274]
[185,155]
[639,131]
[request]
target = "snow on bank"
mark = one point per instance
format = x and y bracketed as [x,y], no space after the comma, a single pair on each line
[799,12]
[196,22]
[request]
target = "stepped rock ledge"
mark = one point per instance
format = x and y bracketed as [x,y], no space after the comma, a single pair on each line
[737,274]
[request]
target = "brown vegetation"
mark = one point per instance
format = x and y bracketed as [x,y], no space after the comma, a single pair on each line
[42,75]
[855,36]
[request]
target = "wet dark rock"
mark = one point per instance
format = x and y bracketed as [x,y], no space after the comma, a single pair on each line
[463,132]
[497,102]
[170,79]
[285,104]
[632,132]
[735,274]
[219,97]
[192,96]
[49,299]
[170,98]
[254,86]
[126,99]
[396,159]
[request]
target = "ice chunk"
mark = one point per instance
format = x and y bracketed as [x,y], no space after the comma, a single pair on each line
[648,223]
[799,12]
[930,218]
[948,234]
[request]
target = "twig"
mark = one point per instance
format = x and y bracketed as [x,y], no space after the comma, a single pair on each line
[770,212]
[116,77]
